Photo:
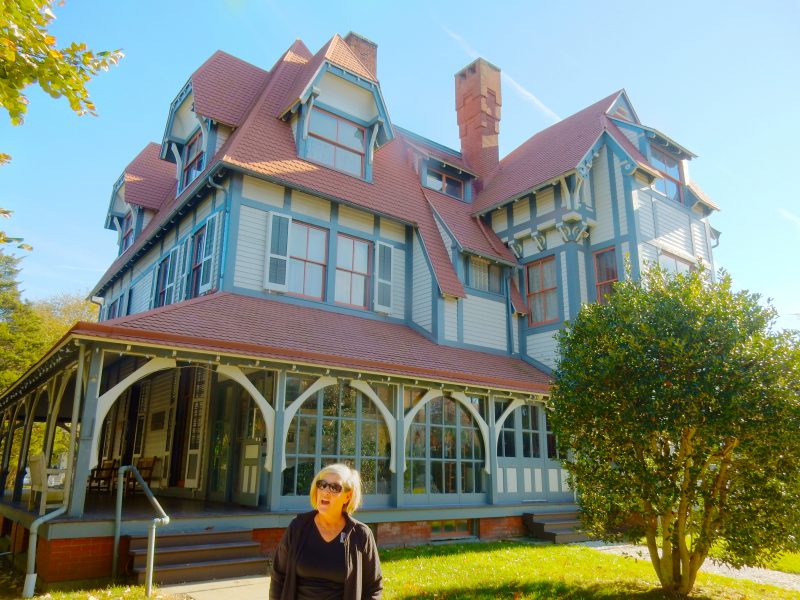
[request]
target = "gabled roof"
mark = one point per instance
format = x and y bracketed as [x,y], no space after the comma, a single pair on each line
[270,329]
[224,87]
[148,179]
[548,154]
[468,230]
[336,52]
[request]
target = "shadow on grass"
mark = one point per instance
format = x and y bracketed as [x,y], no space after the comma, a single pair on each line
[540,589]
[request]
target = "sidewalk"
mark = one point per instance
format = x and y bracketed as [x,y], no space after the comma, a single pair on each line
[244,588]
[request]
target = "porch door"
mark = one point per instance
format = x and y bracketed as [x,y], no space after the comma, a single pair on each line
[222,427]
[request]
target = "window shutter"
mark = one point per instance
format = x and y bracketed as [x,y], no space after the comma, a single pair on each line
[383,277]
[209,253]
[169,285]
[182,269]
[154,287]
[276,273]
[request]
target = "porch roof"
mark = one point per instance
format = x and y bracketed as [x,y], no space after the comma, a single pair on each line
[229,323]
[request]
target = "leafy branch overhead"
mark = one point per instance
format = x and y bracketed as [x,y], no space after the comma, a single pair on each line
[28,54]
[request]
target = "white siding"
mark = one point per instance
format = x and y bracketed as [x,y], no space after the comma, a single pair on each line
[422,289]
[545,201]
[700,241]
[515,333]
[673,227]
[485,322]
[448,242]
[223,133]
[631,135]
[626,252]
[142,293]
[184,121]
[542,347]
[621,200]
[451,319]
[347,97]
[500,220]
[142,266]
[356,219]
[554,239]
[147,217]
[262,191]
[311,206]
[399,283]
[521,211]
[601,191]
[391,230]
[250,249]
[565,282]
[202,211]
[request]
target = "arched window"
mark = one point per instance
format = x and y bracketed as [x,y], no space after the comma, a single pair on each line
[337,424]
[444,450]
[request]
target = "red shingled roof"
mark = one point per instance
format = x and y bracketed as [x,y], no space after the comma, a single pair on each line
[548,154]
[264,145]
[468,230]
[224,88]
[148,179]
[257,327]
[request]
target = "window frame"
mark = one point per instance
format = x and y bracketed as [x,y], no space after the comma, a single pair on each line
[490,268]
[127,231]
[336,144]
[662,155]
[292,257]
[196,265]
[164,275]
[367,274]
[190,162]
[606,283]
[542,291]
[443,178]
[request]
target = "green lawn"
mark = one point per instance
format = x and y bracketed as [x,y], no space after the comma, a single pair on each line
[522,571]
[789,563]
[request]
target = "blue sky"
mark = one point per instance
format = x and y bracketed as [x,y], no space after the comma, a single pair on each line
[720,78]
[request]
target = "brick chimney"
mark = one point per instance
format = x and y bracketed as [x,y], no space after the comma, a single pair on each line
[365,50]
[478,103]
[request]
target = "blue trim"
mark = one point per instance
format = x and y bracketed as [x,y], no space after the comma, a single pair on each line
[633,232]
[231,239]
[460,319]
[437,318]
[535,363]
[341,114]
[612,187]
[409,270]
[484,294]
[570,256]
[398,477]
[330,272]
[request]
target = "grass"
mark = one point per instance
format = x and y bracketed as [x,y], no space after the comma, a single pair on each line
[522,571]
[788,563]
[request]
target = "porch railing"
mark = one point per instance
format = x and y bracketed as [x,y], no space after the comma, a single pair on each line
[162,519]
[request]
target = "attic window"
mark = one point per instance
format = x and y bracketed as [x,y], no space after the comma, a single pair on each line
[127,231]
[436,180]
[193,159]
[336,143]
[670,184]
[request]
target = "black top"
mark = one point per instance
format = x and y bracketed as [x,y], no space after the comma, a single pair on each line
[321,568]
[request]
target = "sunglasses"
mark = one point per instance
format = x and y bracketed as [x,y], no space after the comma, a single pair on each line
[335,488]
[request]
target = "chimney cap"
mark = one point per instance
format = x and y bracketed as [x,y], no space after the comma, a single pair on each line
[474,63]
[361,37]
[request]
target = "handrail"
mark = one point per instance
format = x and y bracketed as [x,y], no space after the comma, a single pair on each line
[163,519]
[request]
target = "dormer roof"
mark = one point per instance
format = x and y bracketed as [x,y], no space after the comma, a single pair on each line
[148,179]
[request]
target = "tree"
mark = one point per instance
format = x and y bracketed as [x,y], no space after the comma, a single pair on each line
[28,55]
[60,312]
[678,407]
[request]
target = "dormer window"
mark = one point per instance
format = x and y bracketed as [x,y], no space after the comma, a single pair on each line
[127,231]
[436,180]
[670,184]
[193,159]
[336,142]
[485,276]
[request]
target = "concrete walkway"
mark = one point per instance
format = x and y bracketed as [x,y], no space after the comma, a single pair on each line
[244,588]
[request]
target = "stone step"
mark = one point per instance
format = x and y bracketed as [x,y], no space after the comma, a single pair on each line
[560,527]
[172,555]
[206,570]
[166,540]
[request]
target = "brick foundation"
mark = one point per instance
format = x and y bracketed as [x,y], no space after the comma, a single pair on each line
[71,559]
[269,539]
[499,528]
[19,538]
[409,533]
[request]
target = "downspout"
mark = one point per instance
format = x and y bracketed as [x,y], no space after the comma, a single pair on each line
[30,574]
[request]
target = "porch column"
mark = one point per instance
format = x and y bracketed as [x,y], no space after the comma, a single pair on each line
[276,474]
[400,452]
[5,442]
[22,461]
[77,495]
[52,417]
[493,476]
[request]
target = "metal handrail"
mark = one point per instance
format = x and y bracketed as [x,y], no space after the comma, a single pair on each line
[163,519]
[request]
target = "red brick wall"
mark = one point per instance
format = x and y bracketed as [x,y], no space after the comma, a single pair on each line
[86,558]
[497,528]
[403,534]
[19,538]
[268,538]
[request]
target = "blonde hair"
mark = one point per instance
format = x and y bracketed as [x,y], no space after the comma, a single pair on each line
[351,482]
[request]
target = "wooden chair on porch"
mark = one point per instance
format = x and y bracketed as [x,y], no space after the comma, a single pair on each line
[145,465]
[103,477]
[41,478]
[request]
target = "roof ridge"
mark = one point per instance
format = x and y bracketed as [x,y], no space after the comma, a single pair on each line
[340,39]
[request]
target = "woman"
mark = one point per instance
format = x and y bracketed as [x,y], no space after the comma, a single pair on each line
[325,554]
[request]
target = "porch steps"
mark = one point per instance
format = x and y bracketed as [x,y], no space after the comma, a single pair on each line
[199,556]
[559,527]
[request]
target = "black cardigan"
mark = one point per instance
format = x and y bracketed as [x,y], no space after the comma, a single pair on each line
[363,579]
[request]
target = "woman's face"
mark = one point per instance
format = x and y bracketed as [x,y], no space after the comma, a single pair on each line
[329,502]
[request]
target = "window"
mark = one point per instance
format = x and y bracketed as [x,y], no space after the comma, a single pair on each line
[193,159]
[444,451]
[352,271]
[506,442]
[485,276]
[670,168]
[530,431]
[113,309]
[542,291]
[552,441]
[452,528]
[605,273]
[127,231]
[673,264]
[337,424]
[202,257]
[436,180]
[336,143]
[165,277]
[308,256]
